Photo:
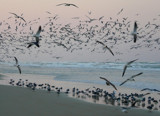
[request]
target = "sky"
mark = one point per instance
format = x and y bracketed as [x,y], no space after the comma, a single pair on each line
[143,11]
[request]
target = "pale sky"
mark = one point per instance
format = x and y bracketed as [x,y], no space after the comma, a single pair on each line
[147,10]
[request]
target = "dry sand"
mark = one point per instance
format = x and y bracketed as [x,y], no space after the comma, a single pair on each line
[17,101]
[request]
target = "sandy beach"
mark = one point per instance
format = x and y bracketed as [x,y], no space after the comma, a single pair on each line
[16,101]
[24,101]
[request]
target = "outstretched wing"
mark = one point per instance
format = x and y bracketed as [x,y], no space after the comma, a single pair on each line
[136,75]
[39,31]
[109,50]
[19,69]
[60,4]
[74,5]
[123,82]
[124,70]
[135,27]
[16,60]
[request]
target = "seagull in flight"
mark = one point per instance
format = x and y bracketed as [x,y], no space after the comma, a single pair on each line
[127,65]
[37,36]
[67,4]
[134,33]
[105,47]
[131,78]
[17,65]
[17,16]
[108,83]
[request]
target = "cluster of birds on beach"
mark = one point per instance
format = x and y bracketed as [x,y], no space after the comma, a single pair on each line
[125,101]
[94,33]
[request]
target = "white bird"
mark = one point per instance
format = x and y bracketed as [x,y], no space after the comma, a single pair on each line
[17,65]
[134,33]
[37,36]
[128,64]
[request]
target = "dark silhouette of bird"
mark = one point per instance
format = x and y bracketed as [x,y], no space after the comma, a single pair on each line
[108,83]
[17,65]
[68,4]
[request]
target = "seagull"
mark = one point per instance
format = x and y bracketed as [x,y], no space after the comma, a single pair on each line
[128,64]
[105,47]
[67,4]
[16,16]
[131,78]
[37,36]
[120,11]
[108,83]
[17,65]
[134,33]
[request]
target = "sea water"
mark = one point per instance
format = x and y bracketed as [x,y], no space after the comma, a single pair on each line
[89,72]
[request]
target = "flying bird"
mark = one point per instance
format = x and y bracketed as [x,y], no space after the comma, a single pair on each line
[37,36]
[134,33]
[67,4]
[17,16]
[120,11]
[17,65]
[108,83]
[105,47]
[128,64]
[131,78]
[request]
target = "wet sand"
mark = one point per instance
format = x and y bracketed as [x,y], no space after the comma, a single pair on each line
[17,101]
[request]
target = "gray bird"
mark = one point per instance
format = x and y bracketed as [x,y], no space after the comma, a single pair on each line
[108,83]
[127,65]
[17,65]
[131,78]
[67,4]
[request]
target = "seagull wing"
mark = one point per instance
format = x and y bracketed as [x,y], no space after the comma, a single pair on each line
[39,31]
[135,38]
[22,19]
[16,60]
[60,4]
[135,27]
[74,5]
[124,70]
[19,69]
[123,82]
[109,50]
[136,75]
[109,82]
[13,13]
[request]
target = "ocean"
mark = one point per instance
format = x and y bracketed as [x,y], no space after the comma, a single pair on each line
[85,72]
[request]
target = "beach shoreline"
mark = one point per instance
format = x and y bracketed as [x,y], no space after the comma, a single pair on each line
[22,101]
[43,79]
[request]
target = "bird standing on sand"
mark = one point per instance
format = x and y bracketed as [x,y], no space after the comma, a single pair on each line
[131,78]
[37,36]
[17,65]
[67,4]
[108,83]
[134,33]
[128,64]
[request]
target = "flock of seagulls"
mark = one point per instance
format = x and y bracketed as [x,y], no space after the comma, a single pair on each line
[125,101]
[110,33]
